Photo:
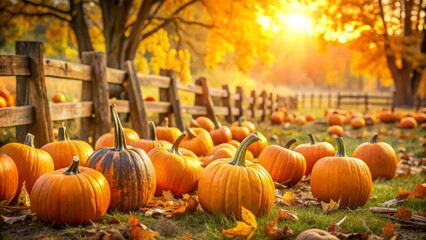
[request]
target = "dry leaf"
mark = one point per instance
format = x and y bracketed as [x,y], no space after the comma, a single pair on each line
[186,236]
[331,206]
[287,215]
[154,212]
[140,231]
[273,232]
[402,193]
[24,197]
[248,217]
[22,216]
[388,231]
[403,213]
[241,230]
[419,192]
[102,234]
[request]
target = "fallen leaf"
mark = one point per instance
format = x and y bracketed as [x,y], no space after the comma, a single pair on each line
[388,231]
[287,215]
[24,197]
[402,193]
[140,231]
[241,230]
[419,192]
[102,234]
[331,206]
[154,212]
[403,213]
[186,236]
[248,217]
[273,232]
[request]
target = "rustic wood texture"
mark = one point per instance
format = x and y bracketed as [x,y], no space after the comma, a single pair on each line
[66,70]
[164,96]
[264,105]
[31,90]
[100,92]
[16,116]
[226,102]
[137,111]
[65,111]
[239,103]
[154,81]
[204,99]
[253,103]
[87,128]
[175,101]
[14,65]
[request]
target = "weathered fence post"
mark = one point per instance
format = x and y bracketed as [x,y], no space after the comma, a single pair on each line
[99,92]
[338,100]
[320,100]
[239,103]
[136,105]
[393,101]
[264,105]
[312,100]
[303,100]
[171,95]
[271,102]
[366,102]
[226,101]
[205,99]
[31,90]
[329,100]
[253,103]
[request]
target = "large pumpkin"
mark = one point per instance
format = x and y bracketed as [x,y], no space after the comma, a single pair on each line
[198,140]
[77,195]
[8,179]
[314,151]
[129,171]
[380,158]
[284,165]
[175,172]
[30,161]
[220,134]
[64,149]
[227,184]
[149,143]
[343,178]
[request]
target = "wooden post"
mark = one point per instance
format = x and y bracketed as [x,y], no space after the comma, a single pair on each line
[226,101]
[264,105]
[366,102]
[271,102]
[312,100]
[329,100]
[205,99]
[164,96]
[239,103]
[253,103]
[136,105]
[31,90]
[338,100]
[100,93]
[320,100]
[303,100]
[393,101]
[175,101]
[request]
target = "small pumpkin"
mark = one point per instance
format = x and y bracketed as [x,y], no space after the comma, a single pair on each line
[223,150]
[277,117]
[202,122]
[420,117]
[257,147]
[358,122]
[335,130]
[314,151]
[150,143]
[31,162]
[380,158]
[315,234]
[300,120]
[74,195]
[59,97]
[242,121]
[164,132]
[129,171]
[335,118]
[228,184]
[8,179]
[240,131]
[64,149]
[386,116]
[284,165]
[341,178]
[175,171]
[107,139]
[370,119]
[309,117]
[408,122]
[220,134]
[198,140]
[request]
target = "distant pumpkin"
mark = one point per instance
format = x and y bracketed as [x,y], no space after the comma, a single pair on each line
[59,97]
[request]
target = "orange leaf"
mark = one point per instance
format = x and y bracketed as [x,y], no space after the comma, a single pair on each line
[138,232]
[402,193]
[241,230]
[273,232]
[248,217]
[388,231]
[186,236]
[287,215]
[403,213]
[420,191]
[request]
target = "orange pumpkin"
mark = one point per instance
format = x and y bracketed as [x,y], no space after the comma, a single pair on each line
[309,117]
[380,158]
[284,165]
[335,130]
[408,122]
[314,151]
[240,131]
[8,179]
[202,122]
[150,143]
[220,134]
[164,132]
[335,118]
[107,139]
[198,140]
[420,117]
[370,119]
[242,121]
[257,147]
[357,122]
[300,120]
[223,150]
[386,116]
[59,97]
[277,117]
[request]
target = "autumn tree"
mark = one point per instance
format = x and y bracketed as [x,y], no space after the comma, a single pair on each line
[140,29]
[384,32]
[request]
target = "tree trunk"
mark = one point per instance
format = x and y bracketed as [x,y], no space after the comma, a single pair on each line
[404,94]
[78,24]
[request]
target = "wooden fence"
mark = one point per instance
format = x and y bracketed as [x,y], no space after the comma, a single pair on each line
[34,113]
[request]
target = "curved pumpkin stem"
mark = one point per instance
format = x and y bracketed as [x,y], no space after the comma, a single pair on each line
[289,143]
[151,133]
[193,122]
[120,142]
[216,123]
[73,169]
[241,120]
[62,133]
[191,133]
[175,147]
[341,150]
[312,138]
[165,122]
[29,140]
[240,155]
[374,138]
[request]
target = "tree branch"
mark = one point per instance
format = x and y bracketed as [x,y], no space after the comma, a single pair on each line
[154,12]
[50,14]
[46,6]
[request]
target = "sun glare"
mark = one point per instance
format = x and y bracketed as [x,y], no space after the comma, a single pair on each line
[297,23]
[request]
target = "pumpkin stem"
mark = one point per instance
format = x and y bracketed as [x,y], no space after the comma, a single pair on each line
[241,120]
[175,147]
[191,133]
[120,142]
[193,122]
[312,138]
[240,155]
[374,138]
[341,150]
[151,133]
[73,169]
[289,143]
[216,122]
[63,133]
[165,122]
[29,140]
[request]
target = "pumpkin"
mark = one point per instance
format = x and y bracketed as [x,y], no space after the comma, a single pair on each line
[300,120]
[380,158]
[335,130]
[74,195]
[198,140]
[357,122]
[341,178]
[309,117]
[220,134]
[175,171]
[408,122]
[59,97]
[315,234]
[277,117]
[8,179]
[257,147]
[335,118]
[164,132]
[202,122]
[64,149]
[314,151]
[228,184]
[8,97]
[289,118]
[420,117]
[129,171]
[3,102]
[386,116]
[107,139]
[31,162]
[284,165]
[223,150]
[422,110]
[242,121]
[150,143]
[240,131]
[370,119]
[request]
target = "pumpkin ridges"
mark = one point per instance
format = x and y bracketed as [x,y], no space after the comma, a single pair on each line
[9,178]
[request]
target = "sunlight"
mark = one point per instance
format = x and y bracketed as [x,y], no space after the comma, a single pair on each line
[297,23]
